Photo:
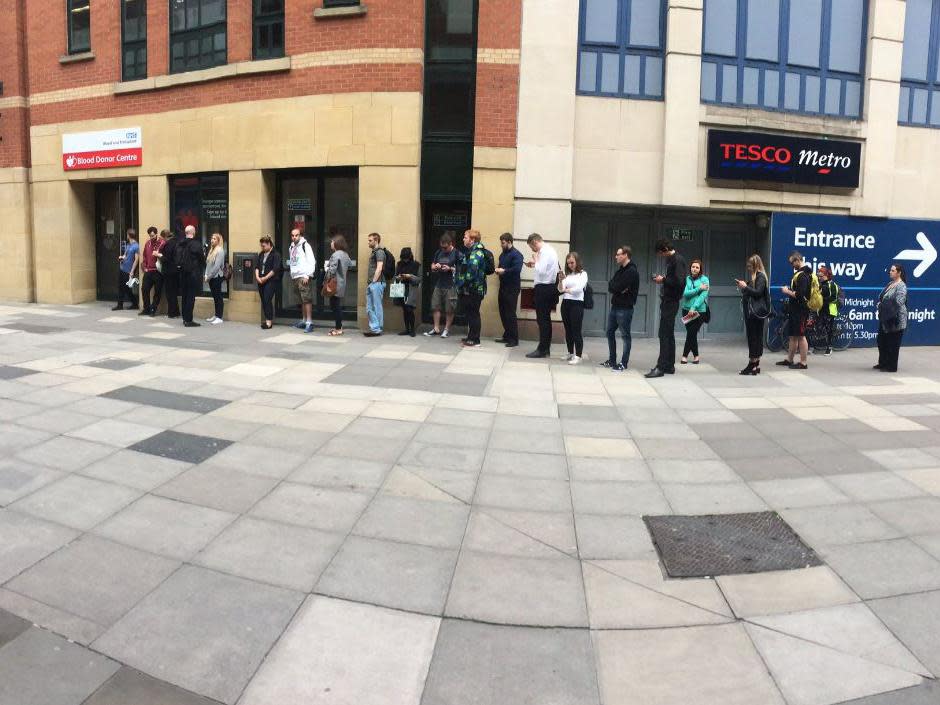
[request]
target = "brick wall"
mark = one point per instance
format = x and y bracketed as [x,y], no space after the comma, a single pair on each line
[14,117]
[497,94]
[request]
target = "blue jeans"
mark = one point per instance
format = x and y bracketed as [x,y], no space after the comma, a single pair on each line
[374,295]
[619,319]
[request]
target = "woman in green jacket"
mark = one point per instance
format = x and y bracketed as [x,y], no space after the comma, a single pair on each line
[694,306]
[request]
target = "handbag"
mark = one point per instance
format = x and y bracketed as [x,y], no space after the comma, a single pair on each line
[329,288]
[707,316]
[588,297]
[397,290]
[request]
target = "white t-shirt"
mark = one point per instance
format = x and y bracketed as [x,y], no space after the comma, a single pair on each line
[575,282]
[546,265]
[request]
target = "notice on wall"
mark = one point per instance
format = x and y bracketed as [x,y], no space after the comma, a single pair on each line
[107,149]
[860,251]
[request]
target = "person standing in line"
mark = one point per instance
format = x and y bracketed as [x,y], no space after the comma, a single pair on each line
[471,284]
[673,284]
[694,309]
[798,308]
[571,289]
[408,272]
[830,307]
[509,271]
[545,292]
[267,277]
[892,319]
[375,293]
[755,302]
[215,275]
[192,263]
[623,287]
[303,265]
[128,270]
[153,278]
[169,268]
[444,294]
[336,270]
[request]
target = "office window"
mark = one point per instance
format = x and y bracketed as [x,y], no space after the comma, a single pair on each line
[803,56]
[621,48]
[200,200]
[269,29]
[134,39]
[197,34]
[79,25]
[920,67]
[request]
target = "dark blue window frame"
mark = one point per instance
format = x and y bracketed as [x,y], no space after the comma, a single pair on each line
[622,48]
[912,89]
[847,82]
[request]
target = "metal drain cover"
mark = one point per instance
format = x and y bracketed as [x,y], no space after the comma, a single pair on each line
[725,544]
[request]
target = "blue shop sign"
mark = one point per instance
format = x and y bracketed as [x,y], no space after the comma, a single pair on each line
[860,251]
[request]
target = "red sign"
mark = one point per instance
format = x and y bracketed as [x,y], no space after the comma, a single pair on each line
[108,149]
[108,159]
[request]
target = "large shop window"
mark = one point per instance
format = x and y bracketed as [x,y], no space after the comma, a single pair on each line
[269,29]
[621,48]
[802,56]
[920,67]
[200,200]
[134,39]
[79,22]
[198,37]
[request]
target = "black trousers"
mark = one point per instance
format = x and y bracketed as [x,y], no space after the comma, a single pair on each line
[889,347]
[152,281]
[471,308]
[508,300]
[266,291]
[123,291]
[408,316]
[572,316]
[215,286]
[171,286]
[336,305]
[545,296]
[691,336]
[754,327]
[667,335]
[191,284]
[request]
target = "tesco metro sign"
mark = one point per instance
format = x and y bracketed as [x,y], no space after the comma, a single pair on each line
[756,156]
[107,149]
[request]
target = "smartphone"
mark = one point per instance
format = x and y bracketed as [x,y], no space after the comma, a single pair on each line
[653,277]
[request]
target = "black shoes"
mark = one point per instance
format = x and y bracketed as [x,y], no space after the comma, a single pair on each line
[191,324]
[751,369]
[512,344]
[654,373]
[372,334]
[798,366]
[119,307]
[500,340]
[536,354]
[144,312]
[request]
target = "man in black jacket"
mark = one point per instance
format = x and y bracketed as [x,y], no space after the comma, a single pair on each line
[798,311]
[673,283]
[623,287]
[171,273]
[192,263]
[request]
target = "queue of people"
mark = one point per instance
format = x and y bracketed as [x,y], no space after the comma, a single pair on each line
[180,268]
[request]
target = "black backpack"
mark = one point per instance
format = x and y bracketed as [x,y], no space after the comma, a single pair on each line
[588,297]
[489,263]
[388,270]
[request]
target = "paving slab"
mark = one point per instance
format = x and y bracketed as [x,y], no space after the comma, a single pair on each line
[347,653]
[76,501]
[131,687]
[141,471]
[406,520]
[885,568]
[915,620]
[927,693]
[314,507]
[27,662]
[19,478]
[63,453]
[11,627]
[221,488]
[229,622]
[607,537]
[781,591]
[165,400]
[488,664]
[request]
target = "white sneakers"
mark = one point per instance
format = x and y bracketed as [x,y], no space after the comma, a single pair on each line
[445,333]
[573,359]
[213,320]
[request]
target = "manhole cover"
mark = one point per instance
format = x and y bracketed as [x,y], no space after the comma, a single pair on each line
[724,544]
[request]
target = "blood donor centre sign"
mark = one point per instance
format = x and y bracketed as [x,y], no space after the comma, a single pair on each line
[860,251]
[756,156]
[102,150]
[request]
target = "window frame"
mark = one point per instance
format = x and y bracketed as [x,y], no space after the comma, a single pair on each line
[327,4]
[932,83]
[268,19]
[622,48]
[134,44]
[198,32]
[203,230]
[69,9]
[782,67]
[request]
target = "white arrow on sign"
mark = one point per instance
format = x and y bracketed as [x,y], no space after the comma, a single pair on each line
[927,255]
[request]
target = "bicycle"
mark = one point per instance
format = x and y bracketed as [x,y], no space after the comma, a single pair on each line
[775,338]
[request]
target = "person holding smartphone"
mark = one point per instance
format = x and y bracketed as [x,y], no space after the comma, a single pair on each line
[673,284]
[444,295]
[694,309]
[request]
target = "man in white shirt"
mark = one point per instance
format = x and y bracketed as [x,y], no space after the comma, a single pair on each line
[545,293]
[303,265]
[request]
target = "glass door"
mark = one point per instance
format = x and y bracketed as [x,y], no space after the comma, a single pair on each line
[115,212]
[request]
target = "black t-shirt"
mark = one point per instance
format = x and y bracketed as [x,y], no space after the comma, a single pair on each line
[445,280]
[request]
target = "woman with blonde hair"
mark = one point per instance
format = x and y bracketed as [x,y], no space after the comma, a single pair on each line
[755,302]
[215,275]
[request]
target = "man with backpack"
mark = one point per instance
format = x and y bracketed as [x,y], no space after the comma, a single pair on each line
[804,296]
[303,265]
[381,266]
[471,283]
[831,299]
